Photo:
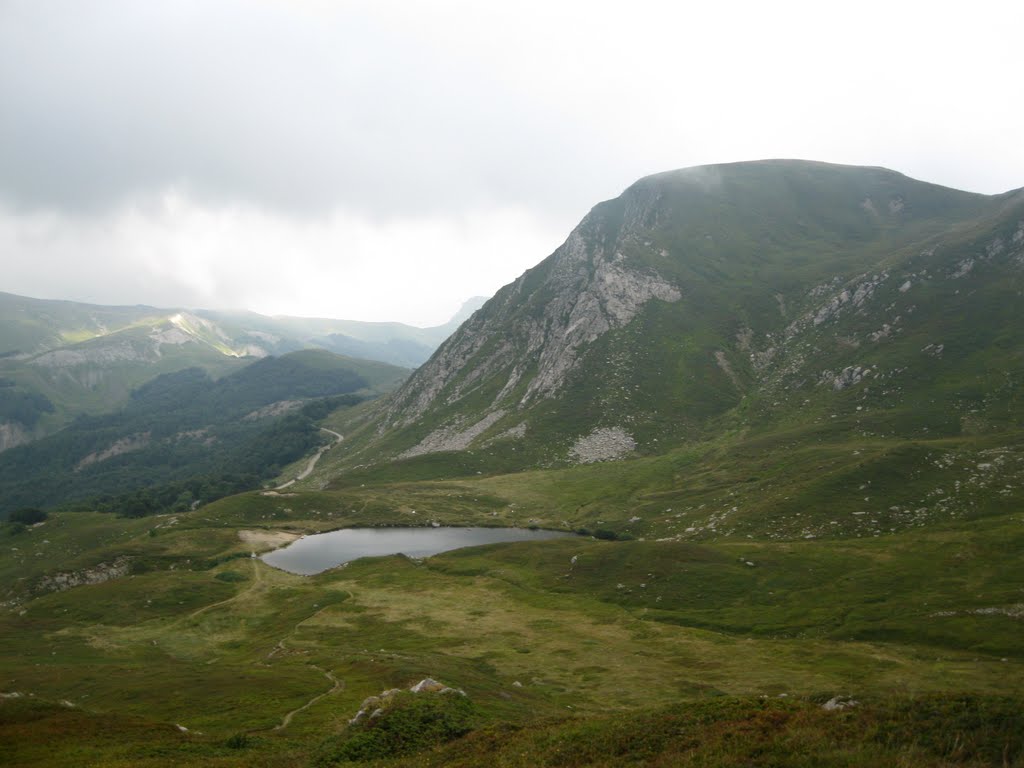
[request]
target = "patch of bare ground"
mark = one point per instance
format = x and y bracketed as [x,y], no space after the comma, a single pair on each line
[262,540]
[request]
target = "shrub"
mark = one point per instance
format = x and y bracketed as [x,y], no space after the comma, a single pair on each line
[413,721]
[27,516]
[238,741]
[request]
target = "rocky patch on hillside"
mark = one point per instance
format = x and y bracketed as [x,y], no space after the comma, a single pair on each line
[606,444]
[97,574]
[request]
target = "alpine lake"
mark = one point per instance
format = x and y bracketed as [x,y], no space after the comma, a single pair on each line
[320,552]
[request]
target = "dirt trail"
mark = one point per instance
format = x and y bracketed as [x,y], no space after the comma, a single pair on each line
[338,685]
[313,460]
[257,581]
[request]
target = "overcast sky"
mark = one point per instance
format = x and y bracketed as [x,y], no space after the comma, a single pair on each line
[386,160]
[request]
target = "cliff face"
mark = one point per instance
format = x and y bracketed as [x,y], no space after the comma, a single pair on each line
[533,332]
[720,296]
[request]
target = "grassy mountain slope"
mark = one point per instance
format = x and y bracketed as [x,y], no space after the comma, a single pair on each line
[29,326]
[745,297]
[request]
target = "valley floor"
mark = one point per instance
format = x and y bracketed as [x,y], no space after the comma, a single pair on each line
[204,655]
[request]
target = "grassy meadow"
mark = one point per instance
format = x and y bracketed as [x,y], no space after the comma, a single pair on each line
[690,639]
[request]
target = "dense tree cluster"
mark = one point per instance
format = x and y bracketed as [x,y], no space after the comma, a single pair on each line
[183,439]
[17,405]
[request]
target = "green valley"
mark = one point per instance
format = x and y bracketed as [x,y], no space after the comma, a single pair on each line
[778,402]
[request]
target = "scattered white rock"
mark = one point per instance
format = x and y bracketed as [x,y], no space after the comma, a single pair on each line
[427,684]
[606,444]
[838,702]
[963,268]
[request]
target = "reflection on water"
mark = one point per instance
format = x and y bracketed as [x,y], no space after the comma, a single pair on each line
[313,554]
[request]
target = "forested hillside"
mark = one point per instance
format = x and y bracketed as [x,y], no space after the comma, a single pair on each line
[185,437]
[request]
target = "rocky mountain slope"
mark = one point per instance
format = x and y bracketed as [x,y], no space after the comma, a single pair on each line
[748,296]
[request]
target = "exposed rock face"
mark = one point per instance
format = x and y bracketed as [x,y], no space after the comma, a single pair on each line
[453,438]
[124,445]
[534,331]
[848,377]
[855,296]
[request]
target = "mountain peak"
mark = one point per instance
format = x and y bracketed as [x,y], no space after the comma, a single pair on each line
[691,293]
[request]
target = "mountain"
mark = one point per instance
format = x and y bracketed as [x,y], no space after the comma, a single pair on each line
[780,404]
[740,296]
[394,343]
[59,358]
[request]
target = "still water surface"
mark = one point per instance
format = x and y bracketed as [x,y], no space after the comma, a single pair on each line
[313,554]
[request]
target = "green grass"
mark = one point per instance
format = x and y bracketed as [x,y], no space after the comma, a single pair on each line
[743,605]
[779,541]
[203,636]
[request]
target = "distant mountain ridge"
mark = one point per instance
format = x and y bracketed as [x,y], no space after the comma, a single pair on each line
[60,358]
[29,327]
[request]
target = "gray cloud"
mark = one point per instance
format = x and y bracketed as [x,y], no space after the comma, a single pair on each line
[360,139]
[255,101]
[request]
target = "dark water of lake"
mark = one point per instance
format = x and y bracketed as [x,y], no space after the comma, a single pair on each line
[313,554]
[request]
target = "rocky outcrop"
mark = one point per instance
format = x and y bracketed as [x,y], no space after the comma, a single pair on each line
[124,445]
[848,377]
[452,438]
[839,703]
[532,335]
[97,574]
[375,706]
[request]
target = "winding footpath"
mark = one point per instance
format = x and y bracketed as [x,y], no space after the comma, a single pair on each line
[338,685]
[257,582]
[313,460]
